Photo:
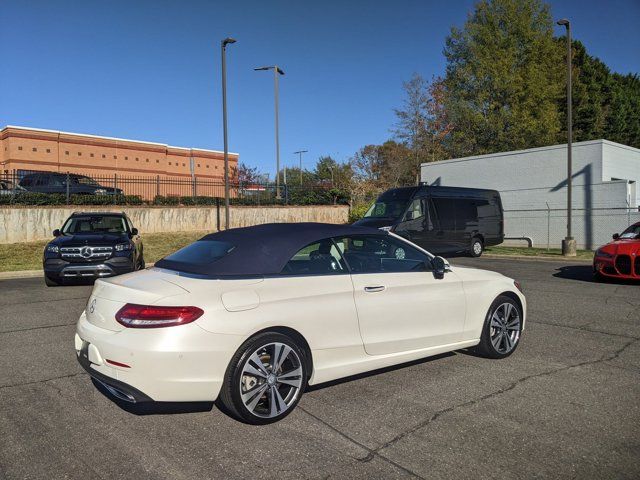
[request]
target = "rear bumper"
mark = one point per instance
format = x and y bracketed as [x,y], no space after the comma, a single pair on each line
[173,364]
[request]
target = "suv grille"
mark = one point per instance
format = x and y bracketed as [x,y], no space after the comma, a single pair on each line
[86,253]
[623,264]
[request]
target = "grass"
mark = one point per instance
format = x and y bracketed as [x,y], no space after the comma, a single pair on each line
[28,255]
[535,252]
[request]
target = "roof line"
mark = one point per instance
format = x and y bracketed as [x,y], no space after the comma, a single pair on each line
[59,132]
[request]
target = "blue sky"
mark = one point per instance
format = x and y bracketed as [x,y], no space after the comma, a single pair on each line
[150,70]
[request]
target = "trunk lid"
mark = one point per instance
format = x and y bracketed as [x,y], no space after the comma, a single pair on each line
[109,295]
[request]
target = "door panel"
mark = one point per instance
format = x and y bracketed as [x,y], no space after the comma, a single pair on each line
[412,310]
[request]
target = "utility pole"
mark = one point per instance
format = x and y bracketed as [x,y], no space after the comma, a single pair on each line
[300,152]
[223,48]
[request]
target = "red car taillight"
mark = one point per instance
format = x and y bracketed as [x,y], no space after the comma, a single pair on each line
[150,316]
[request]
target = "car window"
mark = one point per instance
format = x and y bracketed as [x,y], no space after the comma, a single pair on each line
[632,232]
[318,258]
[377,253]
[202,251]
[27,181]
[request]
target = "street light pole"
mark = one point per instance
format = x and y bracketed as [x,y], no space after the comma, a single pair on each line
[300,152]
[569,243]
[223,49]
[276,72]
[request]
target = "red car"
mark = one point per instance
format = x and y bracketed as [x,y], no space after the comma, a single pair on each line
[620,258]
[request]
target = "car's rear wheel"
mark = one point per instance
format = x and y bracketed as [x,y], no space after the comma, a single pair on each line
[265,379]
[477,247]
[50,282]
[502,328]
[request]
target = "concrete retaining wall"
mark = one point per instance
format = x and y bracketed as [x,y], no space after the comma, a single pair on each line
[31,224]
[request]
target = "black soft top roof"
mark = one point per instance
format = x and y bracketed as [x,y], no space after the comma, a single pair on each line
[264,249]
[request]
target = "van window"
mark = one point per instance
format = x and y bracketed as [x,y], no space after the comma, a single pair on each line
[415,210]
[466,212]
[445,208]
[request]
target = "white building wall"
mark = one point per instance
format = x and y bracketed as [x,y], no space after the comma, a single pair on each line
[532,184]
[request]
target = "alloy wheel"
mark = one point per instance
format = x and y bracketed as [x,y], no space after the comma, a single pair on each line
[505,328]
[271,380]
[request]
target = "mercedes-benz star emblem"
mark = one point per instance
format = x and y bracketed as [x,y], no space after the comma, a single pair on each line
[86,252]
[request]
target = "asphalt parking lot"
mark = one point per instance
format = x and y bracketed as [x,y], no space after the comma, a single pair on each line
[566,404]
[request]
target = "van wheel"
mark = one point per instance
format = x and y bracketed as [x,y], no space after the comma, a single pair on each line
[476,247]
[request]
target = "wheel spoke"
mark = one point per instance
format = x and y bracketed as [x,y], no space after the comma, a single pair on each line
[514,324]
[507,311]
[252,397]
[251,370]
[276,402]
[258,363]
[508,341]
[280,353]
[293,378]
[495,323]
[496,341]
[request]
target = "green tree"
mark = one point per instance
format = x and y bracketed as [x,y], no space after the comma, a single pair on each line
[503,78]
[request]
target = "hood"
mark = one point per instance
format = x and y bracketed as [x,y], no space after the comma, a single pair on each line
[80,239]
[622,246]
[375,222]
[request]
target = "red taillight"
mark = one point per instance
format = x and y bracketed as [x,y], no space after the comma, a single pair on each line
[150,316]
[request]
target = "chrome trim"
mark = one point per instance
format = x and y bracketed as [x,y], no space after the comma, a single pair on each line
[86,252]
[100,270]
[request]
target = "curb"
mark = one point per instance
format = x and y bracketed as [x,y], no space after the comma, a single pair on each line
[537,258]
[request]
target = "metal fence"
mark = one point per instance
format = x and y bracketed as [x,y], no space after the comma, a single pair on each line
[74,189]
[547,227]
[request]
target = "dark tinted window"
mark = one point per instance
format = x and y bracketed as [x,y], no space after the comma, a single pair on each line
[94,224]
[375,254]
[466,212]
[202,251]
[319,258]
[27,181]
[631,232]
[445,208]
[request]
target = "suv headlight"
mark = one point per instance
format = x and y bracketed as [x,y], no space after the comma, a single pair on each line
[121,247]
[600,253]
[53,248]
[385,229]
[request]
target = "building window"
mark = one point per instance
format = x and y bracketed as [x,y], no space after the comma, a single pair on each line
[19,148]
[169,163]
[198,165]
[34,149]
[126,158]
[66,152]
[48,150]
[115,157]
[147,160]
[216,167]
[183,165]
[137,159]
[104,156]
[79,154]
[157,161]
[207,166]
[91,155]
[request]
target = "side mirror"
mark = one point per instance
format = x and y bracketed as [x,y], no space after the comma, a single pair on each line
[134,231]
[57,232]
[616,236]
[440,267]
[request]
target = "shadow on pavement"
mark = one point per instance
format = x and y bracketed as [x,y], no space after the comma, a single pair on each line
[584,273]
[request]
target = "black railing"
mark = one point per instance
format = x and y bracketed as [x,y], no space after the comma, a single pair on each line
[22,187]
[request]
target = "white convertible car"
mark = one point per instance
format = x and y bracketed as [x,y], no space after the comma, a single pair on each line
[251,316]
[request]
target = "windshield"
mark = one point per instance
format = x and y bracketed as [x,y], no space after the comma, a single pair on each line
[386,209]
[94,224]
[632,232]
[84,181]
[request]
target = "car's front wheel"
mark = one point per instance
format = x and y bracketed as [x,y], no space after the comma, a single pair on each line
[265,379]
[502,328]
[50,282]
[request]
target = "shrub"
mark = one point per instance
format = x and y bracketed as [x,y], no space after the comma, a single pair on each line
[356,212]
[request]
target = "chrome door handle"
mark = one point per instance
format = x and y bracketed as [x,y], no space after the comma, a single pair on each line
[379,288]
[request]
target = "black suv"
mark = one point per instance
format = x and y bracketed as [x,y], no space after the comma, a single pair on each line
[92,245]
[52,182]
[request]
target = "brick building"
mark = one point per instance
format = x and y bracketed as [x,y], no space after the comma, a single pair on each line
[26,149]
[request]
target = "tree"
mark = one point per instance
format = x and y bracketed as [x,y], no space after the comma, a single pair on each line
[245,175]
[503,78]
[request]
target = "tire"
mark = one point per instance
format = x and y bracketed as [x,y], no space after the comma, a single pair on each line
[50,282]
[500,339]
[259,405]
[477,247]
